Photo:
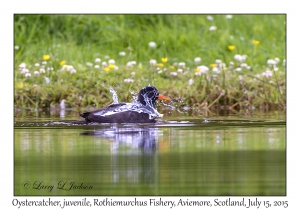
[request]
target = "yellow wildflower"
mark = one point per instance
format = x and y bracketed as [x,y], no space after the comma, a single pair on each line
[160,64]
[65,66]
[197,70]
[19,85]
[46,57]
[231,47]
[255,42]
[111,66]
[106,69]
[172,67]
[224,68]
[164,60]
[62,63]
[213,65]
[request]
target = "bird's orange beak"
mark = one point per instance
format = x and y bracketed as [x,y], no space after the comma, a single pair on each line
[162,97]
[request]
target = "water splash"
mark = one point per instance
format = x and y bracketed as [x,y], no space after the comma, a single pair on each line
[134,96]
[135,106]
[174,107]
[115,96]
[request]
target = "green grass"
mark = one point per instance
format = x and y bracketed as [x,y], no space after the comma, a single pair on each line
[78,39]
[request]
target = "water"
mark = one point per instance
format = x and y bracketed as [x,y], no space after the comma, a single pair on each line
[135,106]
[114,95]
[192,154]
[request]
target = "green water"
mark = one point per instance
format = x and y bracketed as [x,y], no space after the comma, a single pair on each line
[214,155]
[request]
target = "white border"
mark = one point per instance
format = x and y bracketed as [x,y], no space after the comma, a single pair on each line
[8,8]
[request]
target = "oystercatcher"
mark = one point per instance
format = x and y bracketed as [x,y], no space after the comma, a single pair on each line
[142,110]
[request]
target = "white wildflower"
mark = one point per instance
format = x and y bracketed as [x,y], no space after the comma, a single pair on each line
[131,63]
[152,44]
[106,57]
[128,80]
[191,81]
[111,61]
[218,61]
[238,58]
[153,62]
[89,64]
[42,70]
[97,60]
[238,69]
[212,28]
[243,65]
[36,73]
[72,71]
[22,66]
[173,73]
[216,70]
[24,71]
[277,60]
[197,60]
[179,70]
[284,62]
[244,57]
[271,62]
[122,53]
[132,73]
[17,47]
[240,77]
[69,68]
[267,73]
[44,62]
[47,80]
[37,64]
[228,16]
[116,68]
[181,64]
[208,17]
[104,64]
[97,67]
[203,69]
[27,74]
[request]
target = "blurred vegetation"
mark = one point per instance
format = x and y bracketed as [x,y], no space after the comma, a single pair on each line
[78,39]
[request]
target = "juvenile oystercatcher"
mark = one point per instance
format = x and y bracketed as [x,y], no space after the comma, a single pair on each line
[140,111]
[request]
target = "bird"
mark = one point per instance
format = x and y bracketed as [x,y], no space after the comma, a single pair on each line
[143,110]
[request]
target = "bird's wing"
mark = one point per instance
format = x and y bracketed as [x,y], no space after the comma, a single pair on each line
[123,117]
[103,111]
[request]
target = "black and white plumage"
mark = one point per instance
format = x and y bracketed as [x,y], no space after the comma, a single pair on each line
[141,111]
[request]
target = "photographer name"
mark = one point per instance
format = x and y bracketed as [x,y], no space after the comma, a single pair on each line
[61,185]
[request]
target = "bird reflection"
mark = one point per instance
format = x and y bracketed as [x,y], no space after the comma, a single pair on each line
[137,165]
[142,137]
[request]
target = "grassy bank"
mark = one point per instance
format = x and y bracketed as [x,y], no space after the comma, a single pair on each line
[200,60]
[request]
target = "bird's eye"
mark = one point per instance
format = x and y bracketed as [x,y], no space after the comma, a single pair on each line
[150,95]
